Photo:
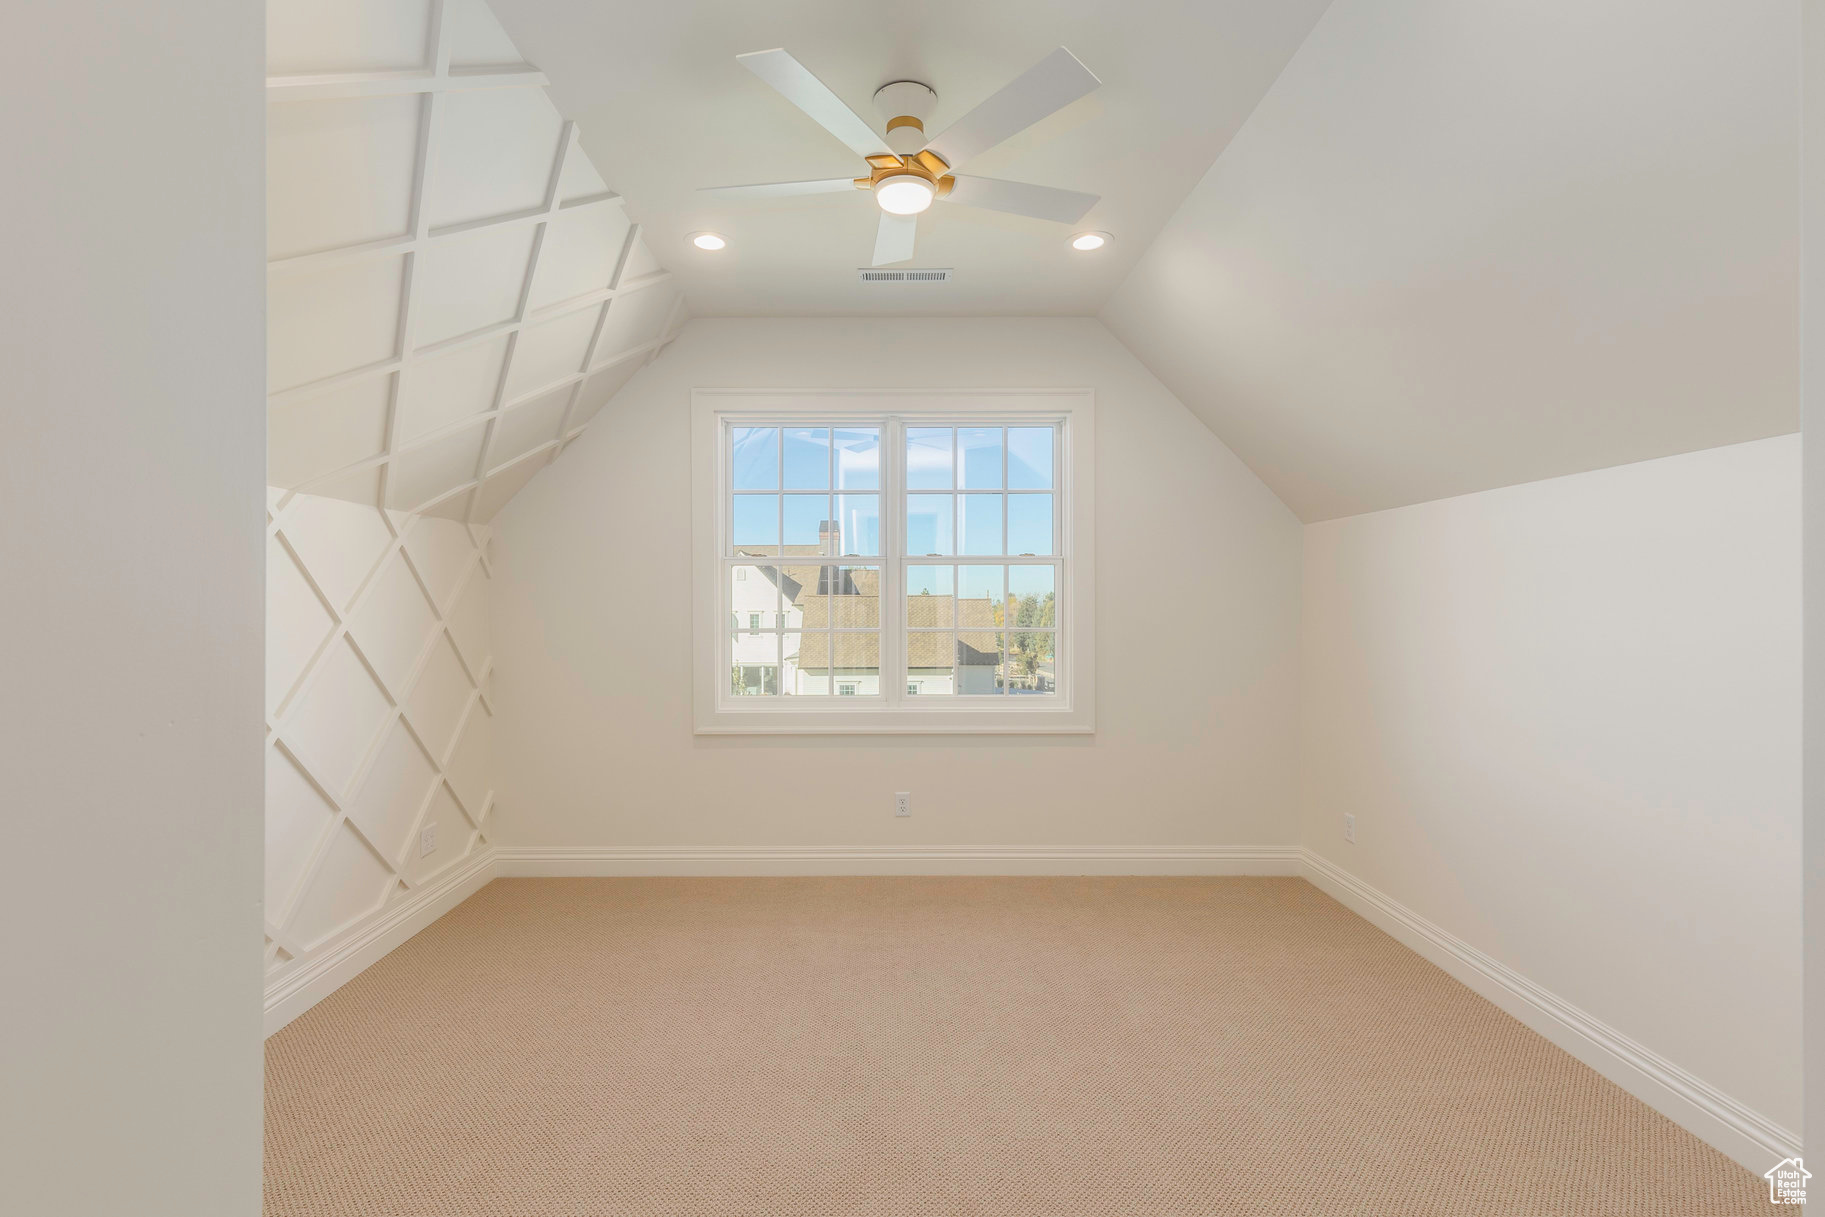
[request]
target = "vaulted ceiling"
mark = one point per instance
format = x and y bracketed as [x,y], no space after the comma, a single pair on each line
[663,104]
[1388,250]
[453,290]
[1467,245]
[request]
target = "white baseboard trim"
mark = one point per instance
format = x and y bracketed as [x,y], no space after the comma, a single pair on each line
[296,991]
[526,861]
[1700,1108]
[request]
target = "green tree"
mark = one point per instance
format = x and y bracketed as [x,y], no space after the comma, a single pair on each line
[1028,649]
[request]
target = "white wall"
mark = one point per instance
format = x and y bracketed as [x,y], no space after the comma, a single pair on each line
[1196,723]
[1812,419]
[130,482]
[1566,718]
[377,670]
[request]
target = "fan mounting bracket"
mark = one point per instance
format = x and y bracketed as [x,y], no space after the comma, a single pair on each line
[905,104]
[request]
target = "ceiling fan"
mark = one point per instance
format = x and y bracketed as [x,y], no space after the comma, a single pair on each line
[907,172]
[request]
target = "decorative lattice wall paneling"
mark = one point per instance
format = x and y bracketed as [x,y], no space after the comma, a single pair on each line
[378,727]
[453,290]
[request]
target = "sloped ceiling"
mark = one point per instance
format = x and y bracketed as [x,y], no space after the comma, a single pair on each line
[1461,246]
[666,108]
[1454,246]
[453,290]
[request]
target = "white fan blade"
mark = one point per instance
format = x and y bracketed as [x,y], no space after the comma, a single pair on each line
[798,86]
[1022,199]
[893,241]
[783,190]
[1051,84]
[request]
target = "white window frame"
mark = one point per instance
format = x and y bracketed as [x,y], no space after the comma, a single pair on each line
[1071,711]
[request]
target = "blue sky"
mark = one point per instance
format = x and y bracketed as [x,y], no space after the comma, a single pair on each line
[955,476]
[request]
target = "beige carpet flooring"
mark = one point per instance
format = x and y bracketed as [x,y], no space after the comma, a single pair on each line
[1025,1046]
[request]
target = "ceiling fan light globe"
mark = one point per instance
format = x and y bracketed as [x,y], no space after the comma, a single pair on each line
[904,194]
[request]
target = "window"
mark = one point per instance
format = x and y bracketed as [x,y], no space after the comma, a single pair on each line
[924,558]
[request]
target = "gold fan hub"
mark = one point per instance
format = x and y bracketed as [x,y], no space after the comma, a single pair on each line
[927,164]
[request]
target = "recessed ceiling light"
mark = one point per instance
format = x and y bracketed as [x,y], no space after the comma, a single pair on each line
[903,194]
[1087,241]
[707,240]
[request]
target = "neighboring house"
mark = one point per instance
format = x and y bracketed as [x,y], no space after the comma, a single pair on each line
[758,608]
[755,612]
[782,615]
[852,601]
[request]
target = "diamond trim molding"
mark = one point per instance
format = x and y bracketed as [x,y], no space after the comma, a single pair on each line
[385,723]
[446,311]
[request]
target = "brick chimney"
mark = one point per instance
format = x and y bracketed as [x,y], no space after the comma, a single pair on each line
[829,539]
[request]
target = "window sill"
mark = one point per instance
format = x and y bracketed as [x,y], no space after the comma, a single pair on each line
[883,729]
[848,721]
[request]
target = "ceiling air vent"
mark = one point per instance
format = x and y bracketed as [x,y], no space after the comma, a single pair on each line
[868,275]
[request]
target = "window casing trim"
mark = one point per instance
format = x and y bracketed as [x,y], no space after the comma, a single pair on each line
[892,711]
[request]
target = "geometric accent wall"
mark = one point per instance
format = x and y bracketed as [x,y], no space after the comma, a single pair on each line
[379,721]
[453,290]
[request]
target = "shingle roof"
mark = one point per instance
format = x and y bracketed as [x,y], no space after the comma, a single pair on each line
[847,598]
[863,650]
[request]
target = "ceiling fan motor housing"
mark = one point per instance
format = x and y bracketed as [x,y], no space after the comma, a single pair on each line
[905,104]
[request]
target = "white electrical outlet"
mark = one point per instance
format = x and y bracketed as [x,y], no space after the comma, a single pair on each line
[1349,828]
[427,840]
[902,804]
